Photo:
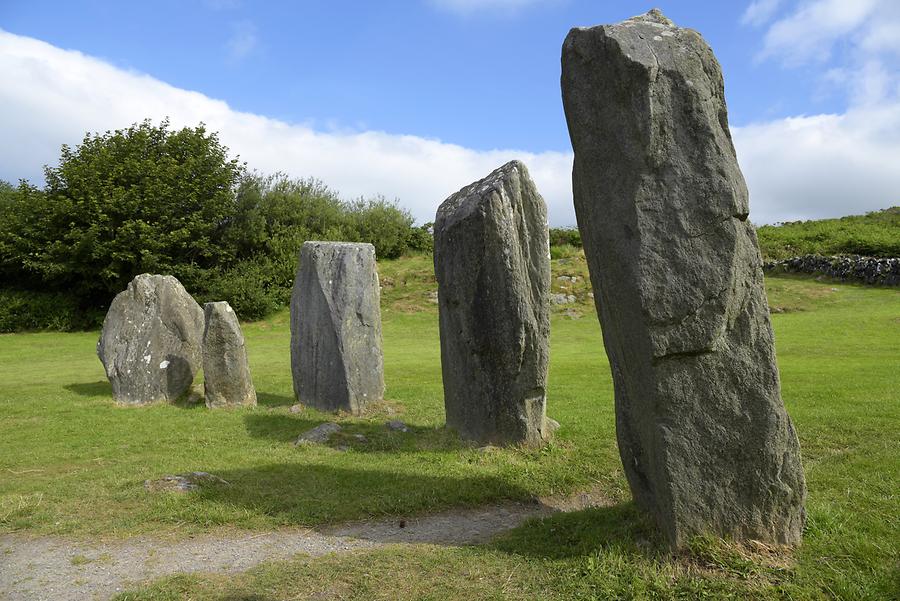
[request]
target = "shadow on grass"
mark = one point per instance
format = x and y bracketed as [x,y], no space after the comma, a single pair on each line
[621,527]
[268,399]
[360,436]
[101,388]
[303,494]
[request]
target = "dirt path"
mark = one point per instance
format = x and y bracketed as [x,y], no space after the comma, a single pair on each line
[33,568]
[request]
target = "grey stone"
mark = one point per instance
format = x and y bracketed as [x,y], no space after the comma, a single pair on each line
[397,425]
[226,372]
[318,435]
[150,342]
[336,355]
[562,299]
[183,482]
[492,263]
[662,207]
[550,428]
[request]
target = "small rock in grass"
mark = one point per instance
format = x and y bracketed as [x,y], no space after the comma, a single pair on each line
[550,427]
[296,408]
[562,299]
[397,425]
[318,435]
[360,438]
[183,482]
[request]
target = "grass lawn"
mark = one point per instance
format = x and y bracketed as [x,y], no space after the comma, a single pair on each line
[72,463]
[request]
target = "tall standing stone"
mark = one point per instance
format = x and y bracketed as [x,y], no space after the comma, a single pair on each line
[492,262]
[336,356]
[226,371]
[662,207]
[150,343]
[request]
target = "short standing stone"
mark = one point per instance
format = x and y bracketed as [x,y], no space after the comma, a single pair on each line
[662,207]
[226,372]
[150,343]
[492,262]
[336,356]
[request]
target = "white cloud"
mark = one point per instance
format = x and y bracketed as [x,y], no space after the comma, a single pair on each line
[243,40]
[833,164]
[798,168]
[51,96]
[468,7]
[809,34]
[821,165]
[760,11]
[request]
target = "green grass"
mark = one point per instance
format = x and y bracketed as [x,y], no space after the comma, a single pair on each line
[73,463]
[875,234]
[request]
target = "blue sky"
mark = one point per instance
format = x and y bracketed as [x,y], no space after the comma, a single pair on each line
[380,93]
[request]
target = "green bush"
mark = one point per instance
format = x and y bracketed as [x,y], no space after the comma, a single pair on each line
[22,310]
[381,223]
[140,199]
[560,236]
[875,234]
[147,199]
[421,239]
[563,251]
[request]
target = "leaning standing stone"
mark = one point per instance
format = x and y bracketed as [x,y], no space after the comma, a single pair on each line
[226,372]
[662,207]
[150,343]
[492,262]
[336,356]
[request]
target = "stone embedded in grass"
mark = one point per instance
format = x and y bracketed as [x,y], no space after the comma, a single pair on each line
[151,338]
[336,356]
[183,482]
[492,263]
[397,426]
[318,435]
[226,372]
[662,208]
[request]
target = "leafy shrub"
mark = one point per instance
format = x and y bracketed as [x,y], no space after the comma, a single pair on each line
[560,236]
[28,310]
[150,199]
[140,199]
[875,234]
[421,239]
[383,224]
[563,251]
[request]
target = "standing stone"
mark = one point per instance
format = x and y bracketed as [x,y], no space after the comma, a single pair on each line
[226,372]
[336,356]
[662,208]
[492,262]
[150,343]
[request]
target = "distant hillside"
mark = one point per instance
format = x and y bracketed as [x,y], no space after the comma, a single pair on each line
[875,234]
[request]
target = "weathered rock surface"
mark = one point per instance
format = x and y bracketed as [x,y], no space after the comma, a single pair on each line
[226,372]
[150,343]
[397,426]
[318,435]
[662,208]
[336,355]
[183,482]
[492,262]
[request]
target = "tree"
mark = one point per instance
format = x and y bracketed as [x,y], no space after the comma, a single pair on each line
[144,198]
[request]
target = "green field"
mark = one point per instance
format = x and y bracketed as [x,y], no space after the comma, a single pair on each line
[72,463]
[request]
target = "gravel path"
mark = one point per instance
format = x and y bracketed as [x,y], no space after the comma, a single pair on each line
[38,568]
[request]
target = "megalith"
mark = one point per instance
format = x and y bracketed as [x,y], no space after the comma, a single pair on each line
[336,356]
[226,371]
[150,342]
[705,440]
[492,263]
